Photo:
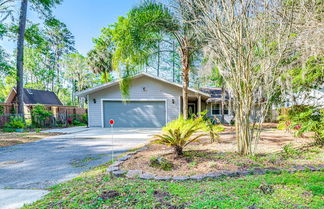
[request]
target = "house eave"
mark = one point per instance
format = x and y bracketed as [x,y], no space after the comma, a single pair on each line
[107,85]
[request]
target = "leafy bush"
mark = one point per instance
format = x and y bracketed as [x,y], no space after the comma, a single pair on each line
[178,133]
[15,123]
[76,122]
[302,119]
[84,118]
[162,163]
[40,115]
[290,151]
[213,130]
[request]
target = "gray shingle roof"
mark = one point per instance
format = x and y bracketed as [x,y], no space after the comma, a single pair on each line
[34,96]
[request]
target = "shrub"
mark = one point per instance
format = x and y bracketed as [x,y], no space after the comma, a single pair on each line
[84,118]
[162,163]
[213,130]
[178,133]
[302,119]
[40,115]
[15,123]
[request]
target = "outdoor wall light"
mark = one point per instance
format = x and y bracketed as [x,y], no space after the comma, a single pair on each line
[173,101]
[144,88]
[94,101]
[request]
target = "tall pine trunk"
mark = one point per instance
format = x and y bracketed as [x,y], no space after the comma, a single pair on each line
[185,76]
[20,56]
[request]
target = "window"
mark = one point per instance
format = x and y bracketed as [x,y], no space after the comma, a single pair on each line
[216,109]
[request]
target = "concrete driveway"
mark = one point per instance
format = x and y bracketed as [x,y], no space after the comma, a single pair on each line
[53,160]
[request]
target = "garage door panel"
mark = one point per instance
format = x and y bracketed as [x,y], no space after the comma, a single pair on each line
[135,113]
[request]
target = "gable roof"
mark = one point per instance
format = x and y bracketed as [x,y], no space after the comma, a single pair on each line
[34,96]
[215,94]
[113,83]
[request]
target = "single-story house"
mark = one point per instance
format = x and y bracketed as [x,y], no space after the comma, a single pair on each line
[152,102]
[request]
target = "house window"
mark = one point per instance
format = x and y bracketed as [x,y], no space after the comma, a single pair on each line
[216,109]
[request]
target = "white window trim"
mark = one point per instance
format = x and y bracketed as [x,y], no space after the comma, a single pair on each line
[133,100]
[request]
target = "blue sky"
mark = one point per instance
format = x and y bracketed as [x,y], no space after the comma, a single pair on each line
[84,18]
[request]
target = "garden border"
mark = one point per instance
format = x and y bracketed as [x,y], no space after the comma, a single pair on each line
[114,169]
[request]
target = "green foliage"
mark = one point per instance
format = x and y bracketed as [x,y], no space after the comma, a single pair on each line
[1,110]
[309,76]
[298,190]
[162,163]
[302,119]
[178,133]
[39,115]
[290,151]
[15,123]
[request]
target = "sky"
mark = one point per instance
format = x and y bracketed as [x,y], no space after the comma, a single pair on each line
[84,18]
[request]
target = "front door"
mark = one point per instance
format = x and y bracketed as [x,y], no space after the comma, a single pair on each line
[192,109]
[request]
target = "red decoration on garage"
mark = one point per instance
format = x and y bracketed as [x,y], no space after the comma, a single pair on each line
[111,122]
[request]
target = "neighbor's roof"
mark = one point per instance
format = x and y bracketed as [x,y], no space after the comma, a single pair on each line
[215,94]
[110,84]
[34,96]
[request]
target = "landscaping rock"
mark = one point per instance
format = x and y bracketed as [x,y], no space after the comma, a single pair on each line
[258,171]
[214,175]
[131,153]
[299,168]
[162,178]
[134,173]
[312,168]
[180,178]
[147,176]
[119,173]
[273,170]
[125,157]
[244,173]
[198,177]
[116,164]
[112,168]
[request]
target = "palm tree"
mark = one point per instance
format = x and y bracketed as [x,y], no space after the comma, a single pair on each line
[44,7]
[100,61]
[177,23]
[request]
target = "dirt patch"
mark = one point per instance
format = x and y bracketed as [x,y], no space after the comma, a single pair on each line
[9,139]
[109,195]
[204,157]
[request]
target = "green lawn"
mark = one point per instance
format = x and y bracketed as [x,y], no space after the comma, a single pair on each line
[299,190]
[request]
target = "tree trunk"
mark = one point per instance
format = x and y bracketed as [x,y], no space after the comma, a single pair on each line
[223,105]
[173,62]
[185,77]
[178,150]
[158,61]
[20,56]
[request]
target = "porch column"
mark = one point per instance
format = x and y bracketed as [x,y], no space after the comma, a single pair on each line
[199,104]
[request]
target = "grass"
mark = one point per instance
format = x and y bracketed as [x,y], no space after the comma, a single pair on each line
[299,190]
[10,139]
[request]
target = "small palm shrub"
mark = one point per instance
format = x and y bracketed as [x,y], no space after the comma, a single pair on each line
[179,133]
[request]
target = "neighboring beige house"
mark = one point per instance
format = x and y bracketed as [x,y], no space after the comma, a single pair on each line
[33,97]
[152,102]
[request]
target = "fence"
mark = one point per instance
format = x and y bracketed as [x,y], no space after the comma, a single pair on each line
[59,120]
